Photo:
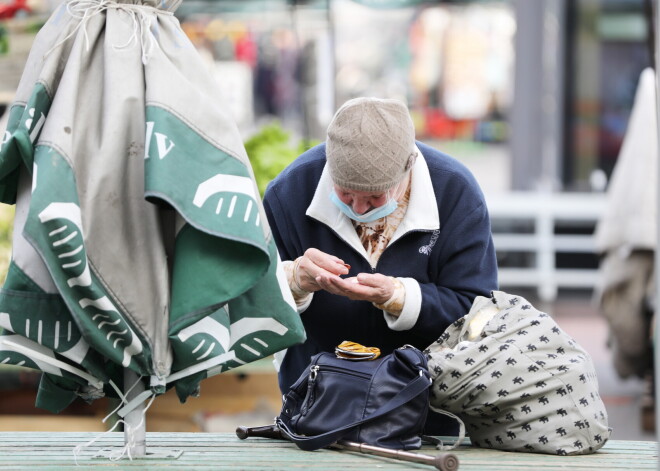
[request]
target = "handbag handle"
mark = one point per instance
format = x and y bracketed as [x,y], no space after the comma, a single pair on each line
[309,443]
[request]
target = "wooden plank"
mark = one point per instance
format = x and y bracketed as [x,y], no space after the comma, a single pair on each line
[202,451]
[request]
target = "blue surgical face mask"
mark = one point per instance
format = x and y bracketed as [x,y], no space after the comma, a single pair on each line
[370,216]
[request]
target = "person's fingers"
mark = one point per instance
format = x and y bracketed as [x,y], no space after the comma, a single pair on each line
[351,288]
[382,286]
[375,288]
[327,262]
[374,280]
[331,283]
[315,263]
[306,272]
[351,279]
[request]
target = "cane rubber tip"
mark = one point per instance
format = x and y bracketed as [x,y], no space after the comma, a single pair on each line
[447,462]
[242,432]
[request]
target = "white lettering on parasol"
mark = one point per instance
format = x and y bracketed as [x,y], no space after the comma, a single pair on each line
[34,133]
[162,145]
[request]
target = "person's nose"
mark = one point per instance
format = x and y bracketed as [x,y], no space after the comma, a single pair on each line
[361,206]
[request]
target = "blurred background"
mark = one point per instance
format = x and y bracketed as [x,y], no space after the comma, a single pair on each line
[535,97]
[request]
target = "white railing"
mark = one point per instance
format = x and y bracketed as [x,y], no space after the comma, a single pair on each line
[543,213]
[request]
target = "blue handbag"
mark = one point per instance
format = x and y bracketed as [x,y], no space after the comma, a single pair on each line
[381,402]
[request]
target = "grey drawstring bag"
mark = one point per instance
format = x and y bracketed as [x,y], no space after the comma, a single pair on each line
[517,380]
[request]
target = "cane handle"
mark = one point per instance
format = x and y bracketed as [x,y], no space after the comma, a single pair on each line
[264,431]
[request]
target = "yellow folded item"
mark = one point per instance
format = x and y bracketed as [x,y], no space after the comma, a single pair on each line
[355,351]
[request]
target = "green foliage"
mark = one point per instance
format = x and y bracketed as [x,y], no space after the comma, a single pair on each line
[4,40]
[270,151]
[6,226]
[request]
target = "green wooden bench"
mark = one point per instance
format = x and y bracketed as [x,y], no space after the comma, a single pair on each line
[213,451]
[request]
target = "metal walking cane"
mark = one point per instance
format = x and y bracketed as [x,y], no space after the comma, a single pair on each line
[443,461]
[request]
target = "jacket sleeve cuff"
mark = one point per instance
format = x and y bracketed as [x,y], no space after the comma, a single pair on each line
[302,298]
[303,304]
[411,307]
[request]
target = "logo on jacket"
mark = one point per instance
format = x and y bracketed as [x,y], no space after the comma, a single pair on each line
[426,249]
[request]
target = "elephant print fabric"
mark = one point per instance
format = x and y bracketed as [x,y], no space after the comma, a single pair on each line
[517,380]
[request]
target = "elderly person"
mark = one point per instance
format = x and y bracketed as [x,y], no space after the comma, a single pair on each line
[385,240]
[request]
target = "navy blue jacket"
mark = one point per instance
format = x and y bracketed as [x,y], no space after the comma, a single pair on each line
[449,262]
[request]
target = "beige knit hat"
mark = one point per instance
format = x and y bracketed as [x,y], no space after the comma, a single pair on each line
[371,144]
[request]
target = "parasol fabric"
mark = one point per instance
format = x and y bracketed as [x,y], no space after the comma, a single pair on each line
[139,238]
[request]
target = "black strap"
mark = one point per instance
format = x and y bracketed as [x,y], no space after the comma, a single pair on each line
[309,443]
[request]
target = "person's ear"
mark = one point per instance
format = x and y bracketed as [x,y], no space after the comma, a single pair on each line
[411,161]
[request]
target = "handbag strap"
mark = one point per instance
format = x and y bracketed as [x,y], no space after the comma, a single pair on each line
[309,443]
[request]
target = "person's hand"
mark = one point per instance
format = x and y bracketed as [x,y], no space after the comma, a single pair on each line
[313,264]
[375,288]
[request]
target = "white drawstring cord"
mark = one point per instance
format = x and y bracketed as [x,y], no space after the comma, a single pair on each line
[123,400]
[141,22]
[115,455]
[83,10]
[461,430]
[78,448]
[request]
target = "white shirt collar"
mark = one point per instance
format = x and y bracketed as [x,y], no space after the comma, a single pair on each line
[422,213]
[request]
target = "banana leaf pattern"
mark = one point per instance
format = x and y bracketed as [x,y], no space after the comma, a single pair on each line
[139,238]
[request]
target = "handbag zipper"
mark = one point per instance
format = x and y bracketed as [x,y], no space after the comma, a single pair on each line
[311,380]
[314,370]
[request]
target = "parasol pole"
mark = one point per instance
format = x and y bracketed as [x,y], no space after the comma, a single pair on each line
[134,416]
[656,328]
[135,427]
